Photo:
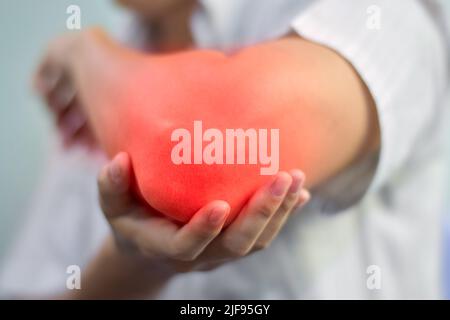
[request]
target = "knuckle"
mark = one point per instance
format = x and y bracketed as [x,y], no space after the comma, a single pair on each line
[145,249]
[174,251]
[239,251]
[204,233]
[266,210]
[141,246]
[288,203]
[286,206]
[178,252]
[234,250]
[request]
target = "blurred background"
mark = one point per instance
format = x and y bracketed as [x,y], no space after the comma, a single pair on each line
[25,128]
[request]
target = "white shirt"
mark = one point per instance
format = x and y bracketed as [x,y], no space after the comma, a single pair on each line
[383,214]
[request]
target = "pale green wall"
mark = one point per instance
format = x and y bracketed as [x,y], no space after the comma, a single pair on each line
[25,28]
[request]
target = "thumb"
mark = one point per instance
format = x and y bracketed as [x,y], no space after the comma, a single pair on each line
[114,186]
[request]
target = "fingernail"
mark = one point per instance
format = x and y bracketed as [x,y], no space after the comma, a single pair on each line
[297,181]
[115,173]
[278,187]
[217,216]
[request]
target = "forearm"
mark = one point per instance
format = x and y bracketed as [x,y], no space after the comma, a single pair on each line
[113,274]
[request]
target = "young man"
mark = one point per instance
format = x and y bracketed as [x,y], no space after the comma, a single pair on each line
[373,91]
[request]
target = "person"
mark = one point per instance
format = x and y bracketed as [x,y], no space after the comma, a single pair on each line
[378,96]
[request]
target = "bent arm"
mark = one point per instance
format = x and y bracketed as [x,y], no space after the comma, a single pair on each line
[317,95]
[297,81]
[336,116]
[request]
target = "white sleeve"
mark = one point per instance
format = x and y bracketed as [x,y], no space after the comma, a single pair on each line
[400,53]
[64,226]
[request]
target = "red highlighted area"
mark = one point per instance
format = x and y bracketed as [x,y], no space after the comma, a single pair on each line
[135,102]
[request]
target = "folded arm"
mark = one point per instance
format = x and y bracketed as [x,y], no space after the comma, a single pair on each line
[311,88]
[331,113]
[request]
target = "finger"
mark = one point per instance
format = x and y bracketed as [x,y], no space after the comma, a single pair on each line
[280,217]
[241,235]
[46,77]
[113,184]
[71,121]
[61,95]
[150,233]
[304,198]
[204,226]
[83,137]
[158,236]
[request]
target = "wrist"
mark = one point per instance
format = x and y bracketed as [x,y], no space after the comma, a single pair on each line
[115,274]
[135,261]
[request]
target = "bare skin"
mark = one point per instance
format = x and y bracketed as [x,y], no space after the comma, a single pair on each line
[144,250]
[168,21]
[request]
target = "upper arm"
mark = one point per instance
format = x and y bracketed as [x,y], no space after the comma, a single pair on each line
[322,93]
